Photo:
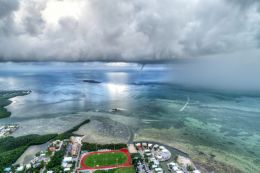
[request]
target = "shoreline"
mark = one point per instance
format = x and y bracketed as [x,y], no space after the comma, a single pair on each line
[31,140]
[202,166]
[172,148]
[5,101]
[30,152]
[207,158]
[204,162]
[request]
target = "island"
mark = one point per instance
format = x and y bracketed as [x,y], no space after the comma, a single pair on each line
[91,81]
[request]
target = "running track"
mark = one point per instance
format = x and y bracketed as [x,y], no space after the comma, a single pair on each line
[85,167]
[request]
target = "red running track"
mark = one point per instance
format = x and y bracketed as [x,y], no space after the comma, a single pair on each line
[126,164]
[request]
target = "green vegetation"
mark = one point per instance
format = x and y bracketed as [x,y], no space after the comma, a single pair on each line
[190,168]
[136,158]
[69,132]
[55,162]
[95,147]
[3,111]
[12,148]
[118,170]
[34,170]
[4,101]
[106,159]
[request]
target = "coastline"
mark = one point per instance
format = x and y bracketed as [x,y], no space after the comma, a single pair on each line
[206,161]
[5,101]
[30,152]
[172,148]
[204,156]
[9,155]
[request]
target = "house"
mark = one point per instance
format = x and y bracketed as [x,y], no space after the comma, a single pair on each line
[158,170]
[154,166]
[28,166]
[8,169]
[150,146]
[147,151]
[75,145]
[20,168]
[144,144]
[179,171]
[66,169]
[196,171]
[156,146]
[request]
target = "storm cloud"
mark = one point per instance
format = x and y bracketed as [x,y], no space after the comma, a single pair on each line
[123,30]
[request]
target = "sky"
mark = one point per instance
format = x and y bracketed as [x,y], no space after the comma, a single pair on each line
[128,31]
[206,43]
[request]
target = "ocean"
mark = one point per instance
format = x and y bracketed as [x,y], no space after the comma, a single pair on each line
[208,125]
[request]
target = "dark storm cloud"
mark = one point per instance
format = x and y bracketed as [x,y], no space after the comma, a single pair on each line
[122,30]
[32,19]
[244,3]
[7,7]
[234,72]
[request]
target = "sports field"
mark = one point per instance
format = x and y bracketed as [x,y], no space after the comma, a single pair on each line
[111,159]
[106,159]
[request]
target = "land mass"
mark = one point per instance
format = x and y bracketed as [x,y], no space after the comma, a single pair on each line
[5,97]
[12,148]
[91,81]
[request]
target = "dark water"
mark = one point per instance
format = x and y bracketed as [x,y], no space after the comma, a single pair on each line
[60,99]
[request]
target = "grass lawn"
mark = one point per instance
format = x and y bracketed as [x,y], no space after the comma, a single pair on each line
[118,170]
[106,159]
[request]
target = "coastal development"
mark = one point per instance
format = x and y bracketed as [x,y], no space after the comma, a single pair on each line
[175,131]
[74,156]
[8,129]
[69,153]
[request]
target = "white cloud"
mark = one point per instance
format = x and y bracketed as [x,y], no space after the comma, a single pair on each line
[122,30]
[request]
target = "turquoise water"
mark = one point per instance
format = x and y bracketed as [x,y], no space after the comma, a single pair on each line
[215,120]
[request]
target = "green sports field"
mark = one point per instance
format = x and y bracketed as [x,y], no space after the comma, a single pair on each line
[118,170]
[106,159]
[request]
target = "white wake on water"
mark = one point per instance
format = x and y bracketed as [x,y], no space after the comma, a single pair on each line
[186,104]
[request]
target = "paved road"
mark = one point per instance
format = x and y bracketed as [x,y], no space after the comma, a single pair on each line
[131,137]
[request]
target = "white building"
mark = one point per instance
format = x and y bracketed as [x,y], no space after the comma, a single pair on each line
[20,168]
[179,171]
[158,170]
[196,171]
